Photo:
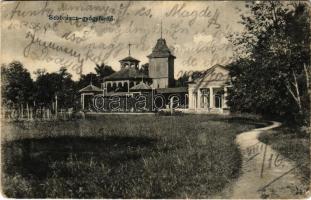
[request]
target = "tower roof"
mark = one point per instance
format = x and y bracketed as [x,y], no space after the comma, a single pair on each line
[161,50]
[129,58]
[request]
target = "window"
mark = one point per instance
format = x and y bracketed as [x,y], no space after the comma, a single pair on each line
[218,100]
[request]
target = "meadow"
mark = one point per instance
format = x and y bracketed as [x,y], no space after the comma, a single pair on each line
[122,156]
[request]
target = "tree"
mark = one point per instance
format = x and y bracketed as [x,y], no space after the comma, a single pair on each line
[16,84]
[145,68]
[87,79]
[269,76]
[66,94]
[308,71]
[182,80]
[103,71]
[50,85]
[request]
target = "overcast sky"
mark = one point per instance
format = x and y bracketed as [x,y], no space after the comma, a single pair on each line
[194,31]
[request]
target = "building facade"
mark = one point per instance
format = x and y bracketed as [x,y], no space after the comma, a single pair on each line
[161,65]
[127,77]
[204,94]
[208,92]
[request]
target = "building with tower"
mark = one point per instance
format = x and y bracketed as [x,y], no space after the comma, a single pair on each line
[160,72]
[161,65]
[128,76]
[124,89]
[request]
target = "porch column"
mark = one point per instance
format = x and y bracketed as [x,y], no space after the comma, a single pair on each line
[82,101]
[190,98]
[199,98]
[211,97]
[195,100]
[205,100]
[225,98]
[106,86]
[128,86]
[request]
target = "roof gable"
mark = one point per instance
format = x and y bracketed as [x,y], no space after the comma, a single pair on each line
[141,86]
[215,73]
[90,88]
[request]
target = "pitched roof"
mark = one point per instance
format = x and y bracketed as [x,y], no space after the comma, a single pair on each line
[90,88]
[161,50]
[141,86]
[126,74]
[129,58]
[207,72]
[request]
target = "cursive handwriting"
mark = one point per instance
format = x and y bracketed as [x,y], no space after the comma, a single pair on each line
[46,45]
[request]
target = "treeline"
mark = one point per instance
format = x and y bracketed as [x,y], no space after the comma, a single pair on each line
[272,73]
[18,89]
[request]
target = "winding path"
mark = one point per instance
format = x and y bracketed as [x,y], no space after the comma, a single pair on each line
[265,173]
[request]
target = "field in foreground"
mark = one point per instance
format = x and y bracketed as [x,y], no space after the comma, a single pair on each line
[189,156]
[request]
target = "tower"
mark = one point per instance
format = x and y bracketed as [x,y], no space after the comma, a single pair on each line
[129,61]
[161,65]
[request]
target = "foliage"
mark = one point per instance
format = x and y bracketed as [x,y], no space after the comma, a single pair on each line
[145,68]
[103,71]
[87,79]
[182,80]
[16,84]
[18,87]
[269,76]
[50,85]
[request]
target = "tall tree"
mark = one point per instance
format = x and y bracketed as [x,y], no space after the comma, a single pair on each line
[16,84]
[87,79]
[145,68]
[272,52]
[103,70]
[50,85]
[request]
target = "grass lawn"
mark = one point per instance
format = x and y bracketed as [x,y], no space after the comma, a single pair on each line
[292,144]
[119,156]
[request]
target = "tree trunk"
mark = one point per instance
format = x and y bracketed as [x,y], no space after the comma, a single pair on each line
[293,89]
[309,93]
[308,71]
[308,77]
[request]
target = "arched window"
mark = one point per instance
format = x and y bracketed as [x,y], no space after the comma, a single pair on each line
[125,87]
[109,87]
[114,86]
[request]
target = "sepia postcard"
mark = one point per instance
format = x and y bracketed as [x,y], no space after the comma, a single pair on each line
[155,99]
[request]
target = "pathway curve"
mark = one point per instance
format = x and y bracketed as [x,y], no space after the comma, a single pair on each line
[264,173]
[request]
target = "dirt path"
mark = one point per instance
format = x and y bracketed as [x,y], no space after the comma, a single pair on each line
[264,173]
